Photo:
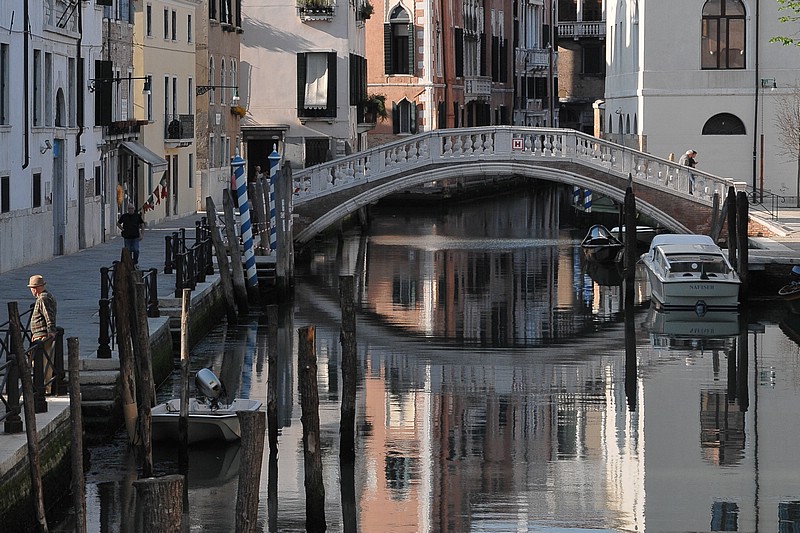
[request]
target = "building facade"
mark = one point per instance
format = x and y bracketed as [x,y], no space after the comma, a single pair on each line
[710,90]
[303,81]
[536,64]
[218,107]
[581,62]
[50,202]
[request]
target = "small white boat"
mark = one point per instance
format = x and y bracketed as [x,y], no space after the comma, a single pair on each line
[209,418]
[690,272]
[206,421]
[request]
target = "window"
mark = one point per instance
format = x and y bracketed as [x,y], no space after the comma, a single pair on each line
[150,99]
[166,96]
[71,93]
[174,26]
[191,171]
[398,43]
[189,28]
[5,191]
[211,79]
[98,180]
[222,80]
[594,60]
[724,124]
[149,21]
[211,147]
[37,87]
[723,35]
[166,23]
[36,188]
[316,84]
[4,84]
[190,95]
[212,9]
[404,117]
[175,97]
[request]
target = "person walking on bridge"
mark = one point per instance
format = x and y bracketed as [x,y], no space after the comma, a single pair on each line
[688,160]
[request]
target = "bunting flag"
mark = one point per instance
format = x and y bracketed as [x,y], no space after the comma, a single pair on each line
[155,197]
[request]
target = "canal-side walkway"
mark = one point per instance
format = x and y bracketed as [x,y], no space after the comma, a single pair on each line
[74,280]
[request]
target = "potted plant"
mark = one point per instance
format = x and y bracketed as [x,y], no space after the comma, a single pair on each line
[375,108]
[365,11]
[239,111]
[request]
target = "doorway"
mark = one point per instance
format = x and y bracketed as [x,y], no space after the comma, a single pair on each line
[59,198]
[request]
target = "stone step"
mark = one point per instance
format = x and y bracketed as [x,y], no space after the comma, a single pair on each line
[97,364]
[99,377]
[98,393]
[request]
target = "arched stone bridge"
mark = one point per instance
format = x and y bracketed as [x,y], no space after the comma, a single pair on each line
[325,193]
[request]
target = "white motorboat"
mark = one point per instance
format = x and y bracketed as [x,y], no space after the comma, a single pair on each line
[690,272]
[209,418]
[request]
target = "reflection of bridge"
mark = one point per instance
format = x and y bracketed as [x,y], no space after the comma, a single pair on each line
[325,193]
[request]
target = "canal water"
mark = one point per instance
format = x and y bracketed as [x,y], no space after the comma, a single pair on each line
[501,388]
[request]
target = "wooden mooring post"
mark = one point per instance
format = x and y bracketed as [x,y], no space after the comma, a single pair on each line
[183,419]
[253,426]
[743,218]
[272,378]
[312,454]
[347,337]
[144,374]
[732,225]
[160,500]
[222,261]
[235,251]
[122,307]
[34,457]
[78,484]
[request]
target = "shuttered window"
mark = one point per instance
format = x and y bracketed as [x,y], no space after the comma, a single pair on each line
[458,35]
[398,43]
[316,84]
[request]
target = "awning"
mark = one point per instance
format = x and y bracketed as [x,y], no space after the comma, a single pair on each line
[156,162]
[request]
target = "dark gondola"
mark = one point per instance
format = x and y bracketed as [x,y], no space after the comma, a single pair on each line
[600,245]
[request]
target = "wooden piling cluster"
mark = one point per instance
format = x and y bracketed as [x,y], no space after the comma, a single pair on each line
[736,211]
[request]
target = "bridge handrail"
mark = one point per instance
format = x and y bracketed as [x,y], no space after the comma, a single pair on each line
[504,143]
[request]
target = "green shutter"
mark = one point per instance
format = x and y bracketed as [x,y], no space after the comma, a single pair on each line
[387,49]
[395,118]
[103,73]
[411,54]
[458,36]
[301,84]
[413,124]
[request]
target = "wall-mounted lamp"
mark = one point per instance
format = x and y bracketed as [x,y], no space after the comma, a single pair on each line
[769,83]
[203,89]
[618,111]
[94,81]
[46,145]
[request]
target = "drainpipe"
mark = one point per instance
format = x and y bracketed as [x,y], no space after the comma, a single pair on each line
[755,107]
[26,135]
[79,81]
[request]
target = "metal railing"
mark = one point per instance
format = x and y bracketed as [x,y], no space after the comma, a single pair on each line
[108,325]
[47,371]
[191,264]
[766,201]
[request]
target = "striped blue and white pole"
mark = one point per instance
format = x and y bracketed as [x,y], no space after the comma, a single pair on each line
[237,163]
[576,195]
[587,201]
[274,161]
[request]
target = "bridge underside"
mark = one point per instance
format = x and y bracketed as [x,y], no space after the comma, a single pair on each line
[316,215]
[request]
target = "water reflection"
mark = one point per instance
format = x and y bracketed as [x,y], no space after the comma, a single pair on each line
[502,387]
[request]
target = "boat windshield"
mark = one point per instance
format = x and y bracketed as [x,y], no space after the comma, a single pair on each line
[696,263]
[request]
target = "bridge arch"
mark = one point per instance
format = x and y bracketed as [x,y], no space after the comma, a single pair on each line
[677,197]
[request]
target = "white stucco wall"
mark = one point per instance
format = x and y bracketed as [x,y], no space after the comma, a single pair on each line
[654,74]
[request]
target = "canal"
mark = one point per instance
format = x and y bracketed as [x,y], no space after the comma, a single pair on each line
[496,393]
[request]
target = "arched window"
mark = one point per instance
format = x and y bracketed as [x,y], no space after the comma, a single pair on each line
[222,80]
[724,124]
[398,43]
[723,35]
[211,78]
[404,117]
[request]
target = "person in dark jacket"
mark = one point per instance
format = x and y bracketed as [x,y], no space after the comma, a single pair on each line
[132,226]
[43,321]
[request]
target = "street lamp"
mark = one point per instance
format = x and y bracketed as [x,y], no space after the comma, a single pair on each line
[203,89]
[766,83]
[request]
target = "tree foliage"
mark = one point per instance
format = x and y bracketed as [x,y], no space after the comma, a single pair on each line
[792,16]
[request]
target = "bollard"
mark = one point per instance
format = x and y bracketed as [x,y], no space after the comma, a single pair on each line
[252,424]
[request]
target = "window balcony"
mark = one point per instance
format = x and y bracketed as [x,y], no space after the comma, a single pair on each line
[534,59]
[477,88]
[124,127]
[179,129]
[533,104]
[578,29]
[311,10]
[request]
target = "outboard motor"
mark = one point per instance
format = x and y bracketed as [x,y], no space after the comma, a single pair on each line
[208,384]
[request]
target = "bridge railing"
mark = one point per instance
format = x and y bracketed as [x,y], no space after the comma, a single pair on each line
[507,143]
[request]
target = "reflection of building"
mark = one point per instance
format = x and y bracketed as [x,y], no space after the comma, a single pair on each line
[722,435]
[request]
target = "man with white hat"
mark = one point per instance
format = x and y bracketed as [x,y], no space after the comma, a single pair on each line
[43,320]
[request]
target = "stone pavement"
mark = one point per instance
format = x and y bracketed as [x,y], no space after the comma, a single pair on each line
[74,280]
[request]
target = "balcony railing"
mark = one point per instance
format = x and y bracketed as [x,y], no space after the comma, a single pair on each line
[122,127]
[578,29]
[477,87]
[533,59]
[309,10]
[533,104]
[178,127]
